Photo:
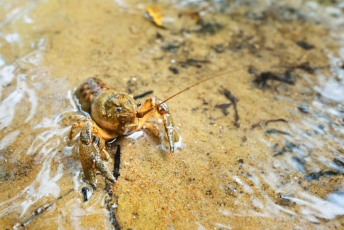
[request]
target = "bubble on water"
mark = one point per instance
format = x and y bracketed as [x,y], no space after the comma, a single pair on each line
[135,135]
[179,143]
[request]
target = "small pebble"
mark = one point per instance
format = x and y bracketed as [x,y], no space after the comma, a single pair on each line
[304,108]
[86,193]
[173,69]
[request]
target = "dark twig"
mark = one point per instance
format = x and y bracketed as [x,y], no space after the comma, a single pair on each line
[42,209]
[110,202]
[116,173]
[316,175]
[275,120]
[234,101]
[194,62]
[224,108]
[262,79]
[143,95]
[113,218]
[265,123]
[276,131]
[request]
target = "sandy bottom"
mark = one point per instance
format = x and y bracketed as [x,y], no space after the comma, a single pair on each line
[268,157]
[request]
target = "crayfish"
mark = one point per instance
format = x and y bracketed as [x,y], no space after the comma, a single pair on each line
[114,114]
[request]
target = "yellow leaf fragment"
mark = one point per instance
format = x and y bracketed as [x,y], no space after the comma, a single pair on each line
[154,15]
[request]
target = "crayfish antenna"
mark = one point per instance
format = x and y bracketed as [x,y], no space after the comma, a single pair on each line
[142,114]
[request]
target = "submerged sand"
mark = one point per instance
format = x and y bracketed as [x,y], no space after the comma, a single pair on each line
[278,165]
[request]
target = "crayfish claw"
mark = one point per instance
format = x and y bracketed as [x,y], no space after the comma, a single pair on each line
[91,152]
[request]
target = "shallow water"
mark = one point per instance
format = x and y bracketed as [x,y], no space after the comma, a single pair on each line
[279,166]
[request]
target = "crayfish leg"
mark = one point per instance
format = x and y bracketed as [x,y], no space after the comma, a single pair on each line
[88,164]
[75,129]
[152,128]
[92,152]
[104,171]
[162,111]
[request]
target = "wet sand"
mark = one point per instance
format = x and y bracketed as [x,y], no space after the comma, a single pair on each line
[279,166]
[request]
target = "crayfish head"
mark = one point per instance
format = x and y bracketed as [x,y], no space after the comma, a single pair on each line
[124,109]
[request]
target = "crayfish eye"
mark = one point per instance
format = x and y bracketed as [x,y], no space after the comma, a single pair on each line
[119,109]
[139,104]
